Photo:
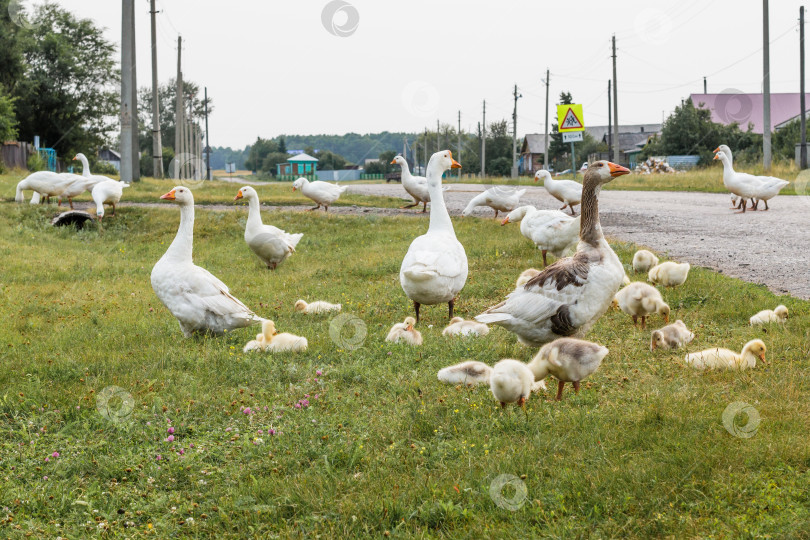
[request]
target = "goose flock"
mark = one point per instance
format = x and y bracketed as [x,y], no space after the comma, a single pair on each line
[46,184]
[552,309]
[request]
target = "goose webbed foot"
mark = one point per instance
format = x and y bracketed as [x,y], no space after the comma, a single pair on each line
[576,386]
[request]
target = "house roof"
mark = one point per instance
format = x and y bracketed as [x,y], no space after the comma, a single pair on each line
[731,107]
[600,132]
[629,136]
[633,141]
[302,157]
[779,126]
[534,143]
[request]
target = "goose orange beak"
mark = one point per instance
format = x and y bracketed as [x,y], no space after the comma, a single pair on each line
[168,196]
[762,357]
[716,150]
[617,170]
[455,165]
[393,162]
[238,195]
[716,156]
[74,158]
[653,346]
[409,328]
[293,188]
[505,221]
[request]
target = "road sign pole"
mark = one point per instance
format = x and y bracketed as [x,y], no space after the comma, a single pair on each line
[573,160]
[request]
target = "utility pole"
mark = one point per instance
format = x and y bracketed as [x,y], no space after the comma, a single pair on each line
[207,141]
[514,135]
[610,123]
[803,147]
[766,90]
[615,108]
[136,143]
[438,142]
[190,144]
[704,86]
[545,143]
[484,142]
[129,111]
[459,143]
[179,117]
[157,145]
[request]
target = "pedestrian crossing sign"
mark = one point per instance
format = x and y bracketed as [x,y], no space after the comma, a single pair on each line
[569,118]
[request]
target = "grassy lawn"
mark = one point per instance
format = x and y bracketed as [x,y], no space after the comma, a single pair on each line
[382,446]
[149,190]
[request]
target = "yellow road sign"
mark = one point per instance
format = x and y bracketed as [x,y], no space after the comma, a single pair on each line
[569,118]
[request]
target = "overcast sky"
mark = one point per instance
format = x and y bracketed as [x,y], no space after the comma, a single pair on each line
[315,66]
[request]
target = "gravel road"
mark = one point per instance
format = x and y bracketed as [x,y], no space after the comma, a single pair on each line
[771,248]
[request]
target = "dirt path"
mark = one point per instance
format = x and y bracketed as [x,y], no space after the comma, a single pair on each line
[771,248]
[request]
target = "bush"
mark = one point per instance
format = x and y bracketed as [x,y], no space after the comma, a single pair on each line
[37,163]
[105,168]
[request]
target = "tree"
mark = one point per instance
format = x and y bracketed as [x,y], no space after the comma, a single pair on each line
[11,56]
[68,93]
[8,121]
[258,152]
[690,131]
[785,140]
[282,145]
[329,161]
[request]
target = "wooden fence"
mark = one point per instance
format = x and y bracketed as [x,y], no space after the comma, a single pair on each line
[15,154]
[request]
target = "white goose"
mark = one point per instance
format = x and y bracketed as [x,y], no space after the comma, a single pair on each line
[748,186]
[568,297]
[107,192]
[85,182]
[498,198]
[323,193]
[198,300]
[85,164]
[550,230]
[269,243]
[46,183]
[566,191]
[416,186]
[434,269]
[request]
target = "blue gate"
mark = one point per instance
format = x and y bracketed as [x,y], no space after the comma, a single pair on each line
[49,155]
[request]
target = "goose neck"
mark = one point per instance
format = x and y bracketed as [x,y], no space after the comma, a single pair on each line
[181,247]
[254,211]
[439,218]
[590,230]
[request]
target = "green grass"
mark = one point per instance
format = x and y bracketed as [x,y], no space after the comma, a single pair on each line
[149,190]
[640,452]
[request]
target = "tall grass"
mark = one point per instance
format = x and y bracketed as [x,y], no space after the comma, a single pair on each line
[383,447]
